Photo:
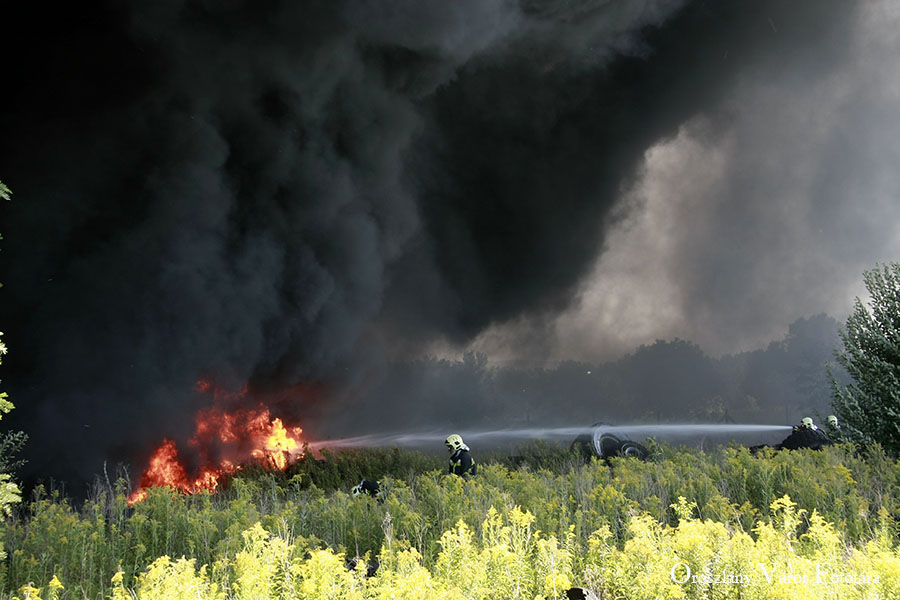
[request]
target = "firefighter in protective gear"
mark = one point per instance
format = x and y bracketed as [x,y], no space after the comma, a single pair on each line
[805,435]
[368,488]
[806,423]
[461,461]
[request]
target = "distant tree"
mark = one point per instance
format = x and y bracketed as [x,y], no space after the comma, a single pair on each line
[669,379]
[869,406]
[808,350]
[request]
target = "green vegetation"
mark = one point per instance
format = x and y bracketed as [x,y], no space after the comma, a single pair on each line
[9,492]
[869,406]
[628,530]
[9,442]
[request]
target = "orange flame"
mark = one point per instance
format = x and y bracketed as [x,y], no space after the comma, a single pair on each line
[222,442]
[280,446]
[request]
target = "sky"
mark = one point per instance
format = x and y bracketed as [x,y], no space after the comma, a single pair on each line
[293,194]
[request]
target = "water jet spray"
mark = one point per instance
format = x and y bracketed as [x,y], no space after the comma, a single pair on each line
[593,435]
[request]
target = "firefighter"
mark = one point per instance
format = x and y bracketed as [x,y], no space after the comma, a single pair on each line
[806,424]
[805,435]
[461,461]
[368,488]
[834,428]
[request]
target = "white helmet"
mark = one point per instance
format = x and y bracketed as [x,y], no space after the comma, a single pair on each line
[807,423]
[454,442]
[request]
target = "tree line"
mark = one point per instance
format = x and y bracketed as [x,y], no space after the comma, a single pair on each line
[666,381]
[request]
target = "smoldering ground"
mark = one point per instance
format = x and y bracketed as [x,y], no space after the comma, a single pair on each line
[286,193]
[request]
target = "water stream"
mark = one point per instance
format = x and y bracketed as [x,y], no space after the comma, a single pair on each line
[679,433]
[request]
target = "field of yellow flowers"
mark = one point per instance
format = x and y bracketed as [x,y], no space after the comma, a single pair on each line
[720,524]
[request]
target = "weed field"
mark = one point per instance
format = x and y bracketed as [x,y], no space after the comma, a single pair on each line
[686,524]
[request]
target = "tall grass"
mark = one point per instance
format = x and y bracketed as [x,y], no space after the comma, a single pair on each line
[543,513]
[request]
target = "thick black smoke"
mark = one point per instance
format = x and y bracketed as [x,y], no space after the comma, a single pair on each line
[272,191]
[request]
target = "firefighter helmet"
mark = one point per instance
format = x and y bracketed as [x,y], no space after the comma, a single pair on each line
[454,442]
[807,423]
[832,421]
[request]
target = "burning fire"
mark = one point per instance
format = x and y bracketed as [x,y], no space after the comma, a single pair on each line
[222,441]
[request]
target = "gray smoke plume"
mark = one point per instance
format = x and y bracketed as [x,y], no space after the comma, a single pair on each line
[281,192]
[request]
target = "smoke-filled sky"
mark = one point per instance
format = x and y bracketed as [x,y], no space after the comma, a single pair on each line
[293,193]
